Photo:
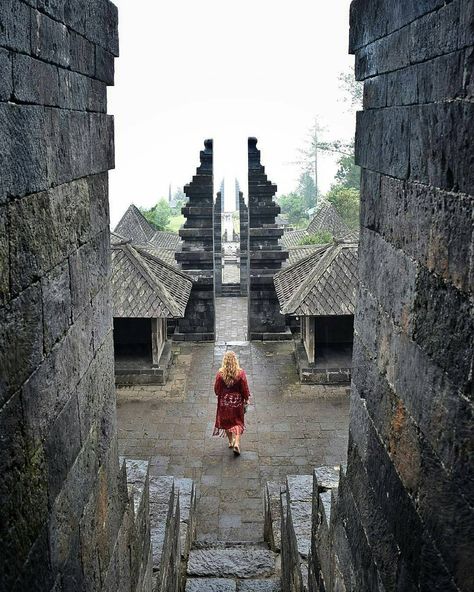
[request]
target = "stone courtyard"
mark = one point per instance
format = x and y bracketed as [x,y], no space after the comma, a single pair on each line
[291,428]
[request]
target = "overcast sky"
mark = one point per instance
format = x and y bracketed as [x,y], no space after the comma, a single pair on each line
[224,70]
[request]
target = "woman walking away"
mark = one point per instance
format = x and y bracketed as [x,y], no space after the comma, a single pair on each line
[232,392]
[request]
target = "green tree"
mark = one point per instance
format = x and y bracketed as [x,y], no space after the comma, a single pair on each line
[321,237]
[159,215]
[346,200]
[348,173]
[292,205]
[306,190]
[179,200]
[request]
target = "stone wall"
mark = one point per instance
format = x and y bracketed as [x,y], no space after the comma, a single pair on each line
[65,518]
[265,253]
[244,245]
[406,501]
[217,226]
[196,256]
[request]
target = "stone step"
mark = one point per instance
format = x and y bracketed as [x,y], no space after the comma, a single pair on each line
[230,585]
[232,563]
[213,544]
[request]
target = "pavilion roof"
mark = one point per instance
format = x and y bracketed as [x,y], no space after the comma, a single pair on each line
[324,283]
[143,285]
[134,226]
[325,218]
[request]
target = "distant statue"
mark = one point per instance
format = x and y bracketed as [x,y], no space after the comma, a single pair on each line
[232,392]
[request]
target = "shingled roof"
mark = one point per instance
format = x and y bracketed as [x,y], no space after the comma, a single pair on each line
[327,218]
[143,285]
[293,238]
[322,284]
[295,254]
[139,230]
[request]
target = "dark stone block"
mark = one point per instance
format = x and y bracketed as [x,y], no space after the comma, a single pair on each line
[35,81]
[91,391]
[74,89]
[56,294]
[430,225]
[440,137]
[394,282]
[466,23]
[82,54]
[382,141]
[104,66]
[48,227]
[375,92]
[62,446]
[435,34]
[385,55]
[452,526]
[6,81]
[402,87]
[54,8]
[102,25]
[21,328]
[36,572]
[47,390]
[102,152]
[4,257]
[441,79]
[23,492]
[15,25]
[89,268]
[22,150]
[441,310]
[49,39]
[76,14]
[69,139]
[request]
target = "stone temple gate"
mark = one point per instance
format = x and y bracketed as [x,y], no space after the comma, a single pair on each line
[399,515]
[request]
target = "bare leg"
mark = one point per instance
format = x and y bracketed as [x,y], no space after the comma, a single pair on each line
[230,437]
[237,443]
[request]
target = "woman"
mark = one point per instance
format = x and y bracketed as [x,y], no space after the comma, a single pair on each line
[232,393]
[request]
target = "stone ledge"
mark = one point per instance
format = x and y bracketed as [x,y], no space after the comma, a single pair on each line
[310,374]
[130,375]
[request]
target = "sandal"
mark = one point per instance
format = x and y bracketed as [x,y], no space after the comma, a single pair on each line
[236,450]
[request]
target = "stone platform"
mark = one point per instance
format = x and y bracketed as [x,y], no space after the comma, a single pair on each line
[331,367]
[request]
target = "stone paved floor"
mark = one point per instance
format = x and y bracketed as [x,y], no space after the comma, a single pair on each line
[231,274]
[290,428]
[231,322]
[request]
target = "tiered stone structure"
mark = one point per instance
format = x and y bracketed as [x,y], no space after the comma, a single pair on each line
[66,520]
[244,245]
[217,225]
[402,517]
[197,254]
[265,253]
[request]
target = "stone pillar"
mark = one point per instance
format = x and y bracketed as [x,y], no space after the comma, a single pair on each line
[244,245]
[197,254]
[65,520]
[404,511]
[265,253]
[217,225]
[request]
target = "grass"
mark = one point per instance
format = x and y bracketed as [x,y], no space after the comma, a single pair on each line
[175,223]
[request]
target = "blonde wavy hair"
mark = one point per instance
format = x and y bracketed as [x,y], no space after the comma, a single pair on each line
[230,367]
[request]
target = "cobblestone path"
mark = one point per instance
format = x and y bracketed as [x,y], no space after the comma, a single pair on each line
[290,428]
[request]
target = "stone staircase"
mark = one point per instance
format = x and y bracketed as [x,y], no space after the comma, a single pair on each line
[230,290]
[233,567]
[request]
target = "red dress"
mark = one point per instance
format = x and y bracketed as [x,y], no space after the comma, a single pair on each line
[230,404]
